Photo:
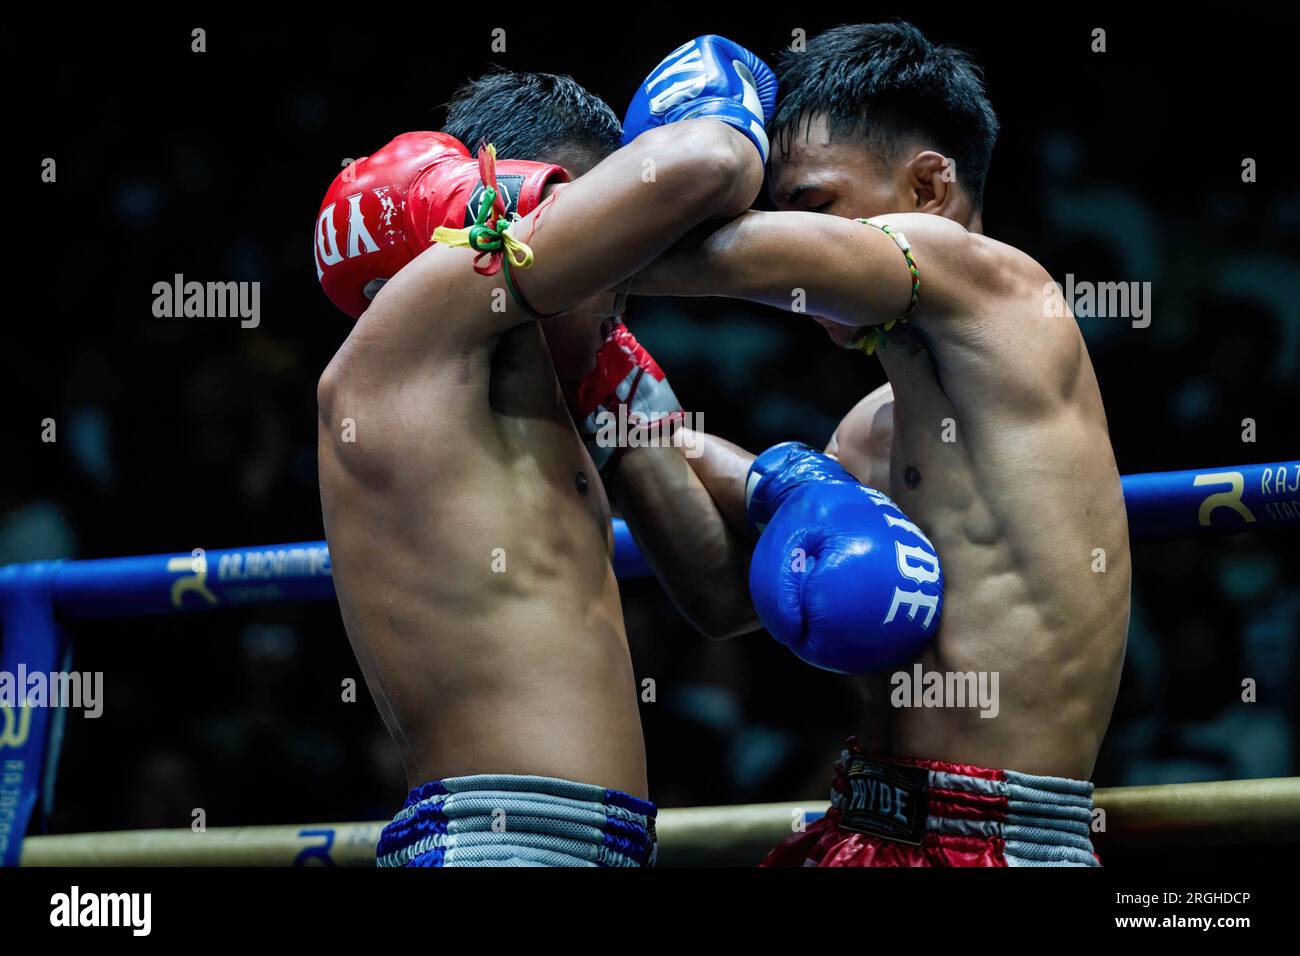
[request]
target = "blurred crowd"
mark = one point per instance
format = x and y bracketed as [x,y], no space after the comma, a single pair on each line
[173,435]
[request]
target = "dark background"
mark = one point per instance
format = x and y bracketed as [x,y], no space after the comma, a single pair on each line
[175,434]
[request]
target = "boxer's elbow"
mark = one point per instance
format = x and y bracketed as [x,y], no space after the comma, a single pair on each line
[733,169]
[719,610]
[723,626]
[710,167]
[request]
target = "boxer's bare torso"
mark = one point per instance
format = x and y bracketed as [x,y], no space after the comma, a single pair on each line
[469,536]
[993,439]
[469,532]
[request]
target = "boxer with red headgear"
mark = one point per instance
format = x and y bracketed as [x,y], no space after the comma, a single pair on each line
[469,533]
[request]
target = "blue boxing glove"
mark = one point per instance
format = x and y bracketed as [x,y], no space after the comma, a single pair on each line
[839,574]
[707,76]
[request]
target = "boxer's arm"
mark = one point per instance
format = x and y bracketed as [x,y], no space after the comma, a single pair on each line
[722,467]
[685,506]
[841,269]
[587,238]
[612,222]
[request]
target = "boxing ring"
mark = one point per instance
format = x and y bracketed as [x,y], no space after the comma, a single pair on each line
[38,599]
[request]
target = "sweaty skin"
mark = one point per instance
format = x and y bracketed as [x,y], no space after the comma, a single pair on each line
[469,532]
[993,440]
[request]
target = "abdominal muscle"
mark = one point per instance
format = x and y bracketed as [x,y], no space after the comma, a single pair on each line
[1015,514]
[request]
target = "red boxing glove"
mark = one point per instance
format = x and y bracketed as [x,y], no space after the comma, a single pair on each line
[624,400]
[385,207]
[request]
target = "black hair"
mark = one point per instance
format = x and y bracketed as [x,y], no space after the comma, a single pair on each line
[889,83]
[530,115]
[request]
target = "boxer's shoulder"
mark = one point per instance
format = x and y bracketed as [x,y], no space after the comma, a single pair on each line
[437,300]
[863,438]
[962,270]
[985,306]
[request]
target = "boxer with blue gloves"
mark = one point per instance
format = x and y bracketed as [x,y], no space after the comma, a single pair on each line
[991,433]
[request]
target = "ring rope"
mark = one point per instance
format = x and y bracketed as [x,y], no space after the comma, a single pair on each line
[1186,814]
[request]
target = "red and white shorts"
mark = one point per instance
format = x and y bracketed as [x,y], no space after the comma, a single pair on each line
[896,811]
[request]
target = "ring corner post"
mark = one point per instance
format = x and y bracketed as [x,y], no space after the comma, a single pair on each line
[31,641]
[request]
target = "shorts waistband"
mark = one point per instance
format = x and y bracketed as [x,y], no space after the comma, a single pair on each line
[518,820]
[1042,820]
